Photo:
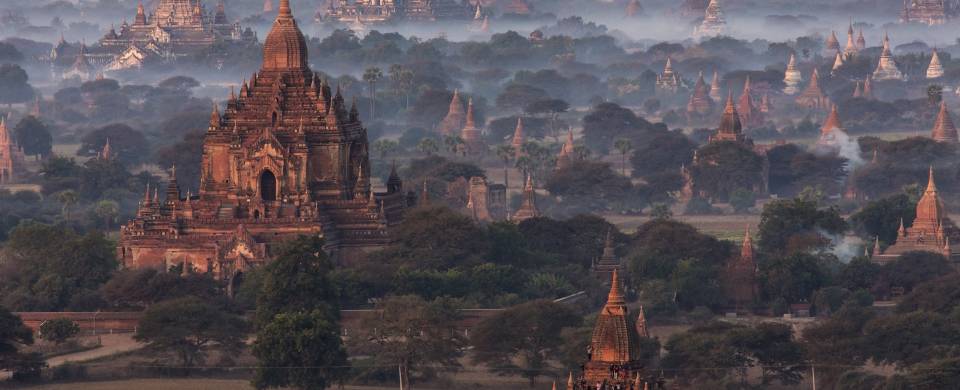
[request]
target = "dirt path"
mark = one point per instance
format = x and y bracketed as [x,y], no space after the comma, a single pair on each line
[111,344]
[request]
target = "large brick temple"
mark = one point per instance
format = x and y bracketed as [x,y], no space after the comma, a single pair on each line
[286,158]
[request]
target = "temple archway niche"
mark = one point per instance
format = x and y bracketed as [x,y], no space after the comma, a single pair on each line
[268,186]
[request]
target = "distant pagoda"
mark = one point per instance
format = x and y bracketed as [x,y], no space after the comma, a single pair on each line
[831,133]
[528,208]
[837,64]
[715,93]
[518,139]
[943,128]
[604,266]
[453,122]
[668,81]
[851,48]
[931,229]
[713,23]
[750,116]
[813,97]
[792,77]
[700,105]
[930,12]
[832,44]
[634,8]
[11,156]
[886,67]
[730,128]
[740,278]
[471,134]
[566,155]
[935,69]
[613,358]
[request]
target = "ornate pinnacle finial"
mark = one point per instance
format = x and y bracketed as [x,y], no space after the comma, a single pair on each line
[931,185]
[285,8]
[615,297]
[569,380]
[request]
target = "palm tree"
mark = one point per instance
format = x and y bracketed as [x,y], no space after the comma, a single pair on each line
[108,210]
[428,146]
[506,153]
[623,146]
[453,143]
[371,76]
[67,198]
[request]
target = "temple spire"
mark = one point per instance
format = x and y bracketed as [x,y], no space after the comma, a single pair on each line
[944,129]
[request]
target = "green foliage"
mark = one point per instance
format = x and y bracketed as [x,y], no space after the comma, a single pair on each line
[905,162]
[129,145]
[46,266]
[742,200]
[419,336]
[941,295]
[725,167]
[440,168]
[13,335]
[589,186]
[838,340]
[793,169]
[608,122]
[58,330]
[796,276]
[881,218]
[521,339]
[297,280]
[14,87]
[33,136]
[654,253]
[730,350]
[140,288]
[300,349]
[436,237]
[188,326]
[665,152]
[935,374]
[911,269]
[789,226]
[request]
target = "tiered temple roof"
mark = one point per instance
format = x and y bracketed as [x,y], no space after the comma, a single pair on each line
[700,103]
[943,128]
[750,117]
[174,28]
[518,138]
[471,134]
[886,67]
[832,44]
[668,81]
[634,8]
[566,155]
[453,122]
[740,279]
[813,97]
[528,209]
[930,12]
[730,128]
[931,229]
[850,49]
[713,23]
[613,355]
[11,156]
[286,158]
[608,262]
[715,93]
[861,42]
[837,64]
[935,69]
[831,133]
[792,77]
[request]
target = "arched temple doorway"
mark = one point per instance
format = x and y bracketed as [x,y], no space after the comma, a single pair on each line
[268,186]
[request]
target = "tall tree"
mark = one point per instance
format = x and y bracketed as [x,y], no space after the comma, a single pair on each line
[521,339]
[297,319]
[13,85]
[33,136]
[372,75]
[623,146]
[506,153]
[188,326]
[418,336]
[13,335]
